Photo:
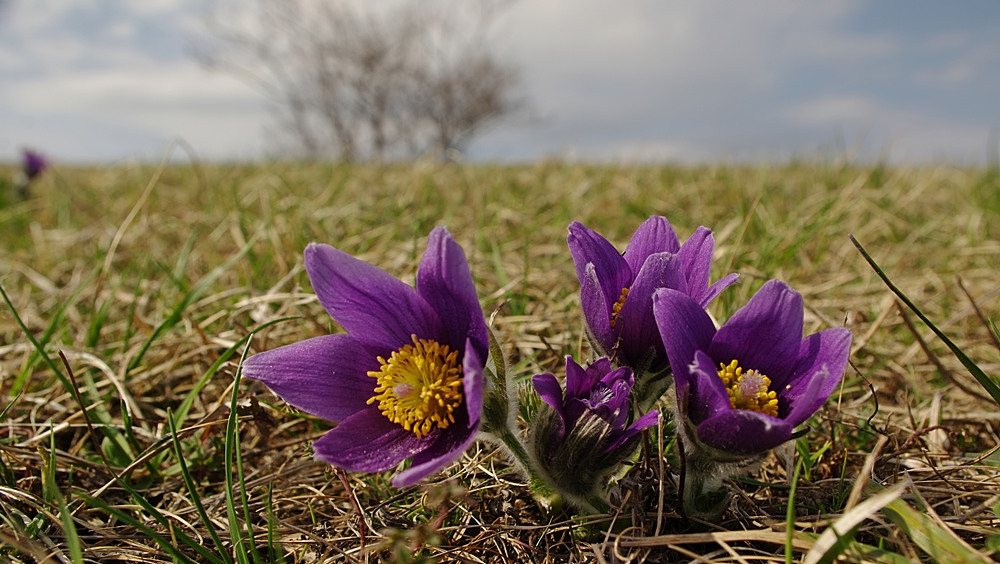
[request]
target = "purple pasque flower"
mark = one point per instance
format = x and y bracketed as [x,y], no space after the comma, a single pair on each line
[742,389]
[616,289]
[584,434]
[406,380]
[33,163]
[598,390]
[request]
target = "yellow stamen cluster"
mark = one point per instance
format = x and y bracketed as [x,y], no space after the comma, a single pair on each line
[748,390]
[616,309]
[419,386]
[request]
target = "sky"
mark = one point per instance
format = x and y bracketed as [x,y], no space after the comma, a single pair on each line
[689,81]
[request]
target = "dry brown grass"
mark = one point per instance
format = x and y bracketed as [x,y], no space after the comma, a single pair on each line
[117,269]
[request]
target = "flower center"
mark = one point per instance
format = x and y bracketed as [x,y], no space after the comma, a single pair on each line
[419,386]
[616,309]
[748,390]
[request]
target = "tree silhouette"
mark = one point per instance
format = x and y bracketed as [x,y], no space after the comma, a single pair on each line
[357,82]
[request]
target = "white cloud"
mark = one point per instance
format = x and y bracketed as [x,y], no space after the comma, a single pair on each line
[709,79]
[686,42]
[829,111]
[652,69]
[900,134]
[639,79]
[965,65]
[112,94]
[217,115]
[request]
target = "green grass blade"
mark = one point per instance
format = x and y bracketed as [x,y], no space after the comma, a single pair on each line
[934,538]
[52,494]
[38,346]
[130,314]
[116,445]
[985,381]
[242,538]
[190,296]
[43,341]
[274,549]
[155,513]
[6,408]
[183,257]
[839,535]
[790,514]
[185,406]
[124,517]
[97,322]
[244,499]
[69,530]
[129,429]
[193,490]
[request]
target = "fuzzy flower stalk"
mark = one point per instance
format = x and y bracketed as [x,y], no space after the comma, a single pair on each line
[581,438]
[616,292]
[406,380]
[744,388]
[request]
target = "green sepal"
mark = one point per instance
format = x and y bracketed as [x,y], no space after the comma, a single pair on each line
[498,393]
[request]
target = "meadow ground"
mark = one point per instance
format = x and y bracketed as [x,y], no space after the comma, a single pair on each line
[131,293]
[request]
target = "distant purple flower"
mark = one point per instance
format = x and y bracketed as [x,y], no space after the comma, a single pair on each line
[586,434]
[33,163]
[406,381]
[742,389]
[616,289]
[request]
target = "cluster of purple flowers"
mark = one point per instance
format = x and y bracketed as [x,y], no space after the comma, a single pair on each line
[411,376]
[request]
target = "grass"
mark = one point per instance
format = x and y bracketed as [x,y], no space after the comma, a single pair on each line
[133,291]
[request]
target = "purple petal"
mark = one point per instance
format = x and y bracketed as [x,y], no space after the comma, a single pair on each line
[641,343]
[715,289]
[611,377]
[765,334]
[378,310]
[580,381]
[325,376]
[473,381]
[611,271]
[706,394]
[445,450]
[613,405]
[696,256]
[655,235]
[549,390]
[368,442]
[573,410]
[743,432]
[684,329]
[647,420]
[444,281]
[597,311]
[577,384]
[822,359]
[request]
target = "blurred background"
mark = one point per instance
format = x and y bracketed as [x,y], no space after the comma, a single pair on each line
[902,81]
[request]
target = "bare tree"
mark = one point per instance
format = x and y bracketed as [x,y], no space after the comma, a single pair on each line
[459,100]
[355,82]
